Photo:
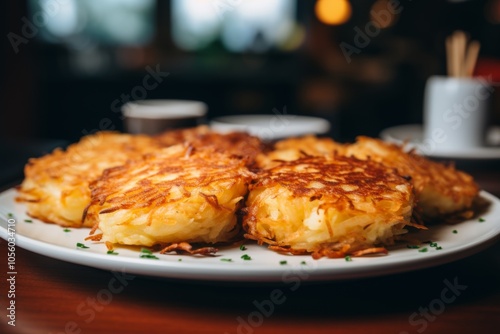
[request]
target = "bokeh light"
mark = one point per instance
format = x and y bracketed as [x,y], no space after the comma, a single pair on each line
[383,13]
[333,12]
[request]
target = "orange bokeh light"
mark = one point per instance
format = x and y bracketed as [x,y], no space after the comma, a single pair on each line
[334,12]
[382,13]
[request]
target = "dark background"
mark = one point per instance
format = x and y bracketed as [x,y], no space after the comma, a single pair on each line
[43,95]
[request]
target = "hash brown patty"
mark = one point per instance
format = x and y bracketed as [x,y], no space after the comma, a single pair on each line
[175,195]
[328,207]
[56,186]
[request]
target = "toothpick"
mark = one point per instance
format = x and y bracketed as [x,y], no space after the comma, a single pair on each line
[455,57]
[471,57]
[460,41]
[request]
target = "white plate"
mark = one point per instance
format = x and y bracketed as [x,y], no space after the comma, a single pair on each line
[265,265]
[271,127]
[411,134]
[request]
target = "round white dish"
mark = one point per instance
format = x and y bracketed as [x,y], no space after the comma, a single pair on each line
[271,127]
[164,109]
[265,266]
[412,135]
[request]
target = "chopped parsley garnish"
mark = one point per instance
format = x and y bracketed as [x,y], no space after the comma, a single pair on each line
[242,247]
[283,262]
[10,215]
[180,260]
[80,245]
[67,230]
[111,252]
[348,258]
[28,221]
[246,257]
[227,260]
[423,250]
[435,245]
[455,231]
[481,220]
[303,262]
[149,256]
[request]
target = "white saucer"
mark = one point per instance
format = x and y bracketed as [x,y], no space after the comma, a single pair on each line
[272,127]
[411,134]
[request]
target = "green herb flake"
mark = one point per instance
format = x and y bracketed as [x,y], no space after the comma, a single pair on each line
[455,231]
[348,258]
[226,260]
[66,230]
[246,257]
[111,252]
[180,260]
[242,247]
[433,244]
[423,250]
[412,246]
[481,220]
[10,215]
[80,245]
[28,221]
[303,262]
[283,262]
[439,247]
[147,254]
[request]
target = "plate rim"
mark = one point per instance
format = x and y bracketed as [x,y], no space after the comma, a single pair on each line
[239,272]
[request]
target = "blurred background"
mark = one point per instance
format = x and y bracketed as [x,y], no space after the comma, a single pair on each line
[67,66]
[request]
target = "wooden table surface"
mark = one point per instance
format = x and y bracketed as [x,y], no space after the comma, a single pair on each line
[57,297]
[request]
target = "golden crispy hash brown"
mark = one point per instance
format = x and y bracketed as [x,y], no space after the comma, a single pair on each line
[175,195]
[328,207]
[295,148]
[239,144]
[441,189]
[56,186]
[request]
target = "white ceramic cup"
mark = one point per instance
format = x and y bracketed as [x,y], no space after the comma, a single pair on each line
[456,112]
[155,116]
